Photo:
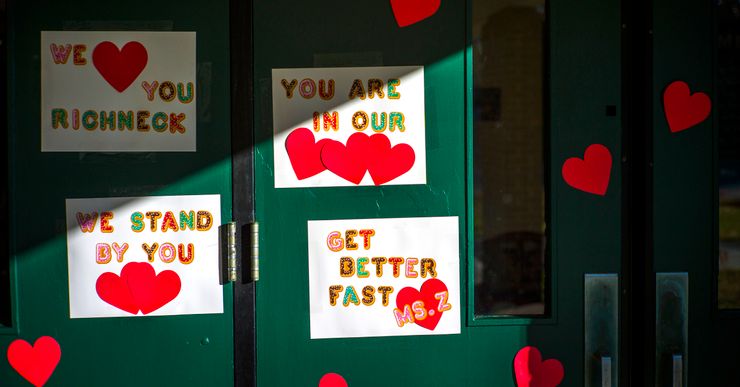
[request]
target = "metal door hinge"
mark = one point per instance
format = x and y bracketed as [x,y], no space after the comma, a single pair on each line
[254,232]
[230,238]
[227,252]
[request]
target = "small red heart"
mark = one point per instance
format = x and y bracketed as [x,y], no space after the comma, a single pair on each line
[531,371]
[120,68]
[388,163]
[430,287]
[683,109]
[590,174]
[332,380]
[114,290]
[305,153]
[37,363]
[408,12]
[348,162]
[150,291]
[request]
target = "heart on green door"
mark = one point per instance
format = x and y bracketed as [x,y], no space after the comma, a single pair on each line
[591,173]
[35,363]
[531,371]
[683,109]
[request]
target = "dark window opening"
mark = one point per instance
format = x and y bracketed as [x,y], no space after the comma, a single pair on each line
[509,46]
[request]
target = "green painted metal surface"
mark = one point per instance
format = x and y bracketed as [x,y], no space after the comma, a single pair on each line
[685,190]
[167,351]
[584,77]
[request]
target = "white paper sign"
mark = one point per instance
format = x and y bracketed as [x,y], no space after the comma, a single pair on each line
[349,126]
[384,277]
[139,256]
[118,91]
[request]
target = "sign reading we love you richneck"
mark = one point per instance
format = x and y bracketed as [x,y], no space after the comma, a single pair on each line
[118,91]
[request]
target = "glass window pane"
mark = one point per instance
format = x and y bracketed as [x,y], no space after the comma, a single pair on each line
[509,40]
[727,107]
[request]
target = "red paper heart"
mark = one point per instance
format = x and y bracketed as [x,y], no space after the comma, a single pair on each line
[590,174]
[348,162]
[388,163]
[408,12]
[332,380]
[120,68]
[37,363]
[305,153]
[430,287]
[114,290]
[150,291]
[683,109]
[138,288]
[531,371]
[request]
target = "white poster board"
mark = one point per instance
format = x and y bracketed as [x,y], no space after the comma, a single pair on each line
[139,256]
[130,91]
[384,277]
[349,126]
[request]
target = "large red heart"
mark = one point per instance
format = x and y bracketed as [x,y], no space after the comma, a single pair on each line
[348,162]
[430,287]
[408,12]
[305,153]
[148,290]
[332,380]
[388,163]
[120,68]
[531,371]
[683,109]
[138,288]
[35,363]
[114,290]
[590,174]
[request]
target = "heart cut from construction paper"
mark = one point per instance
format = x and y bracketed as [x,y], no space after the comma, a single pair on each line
[590,174]
[531,371]
[348,161]
[388,163]
[427,294]
[35,363]
[150,291]
[138,288]
[332,380]
[683,109]
[120,68]
[304,153]
[408,12]
[114,290]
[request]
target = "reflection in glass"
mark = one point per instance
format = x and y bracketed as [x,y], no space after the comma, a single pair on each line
[508,41]
[727,108]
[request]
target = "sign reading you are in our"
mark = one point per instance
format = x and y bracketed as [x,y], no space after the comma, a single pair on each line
[118,91]
[349,126]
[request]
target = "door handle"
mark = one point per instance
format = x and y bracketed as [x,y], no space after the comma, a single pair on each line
[601,330]
[677,371]
[606,371]
[671,328]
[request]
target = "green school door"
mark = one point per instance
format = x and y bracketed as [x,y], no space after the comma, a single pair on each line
[582,233]
[629,279]
[194,350]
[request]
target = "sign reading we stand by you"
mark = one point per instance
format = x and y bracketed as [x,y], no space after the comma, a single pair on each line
[138,256]
[129,91]
[384,277]
[348,126]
